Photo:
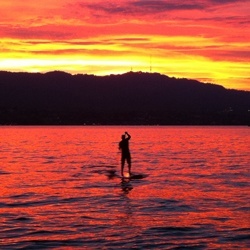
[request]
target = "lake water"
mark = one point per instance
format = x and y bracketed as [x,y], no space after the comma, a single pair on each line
[60,188]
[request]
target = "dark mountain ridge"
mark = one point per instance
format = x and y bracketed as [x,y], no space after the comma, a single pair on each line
[131,98]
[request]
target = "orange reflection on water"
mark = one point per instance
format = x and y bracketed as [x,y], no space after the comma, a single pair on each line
[64,187]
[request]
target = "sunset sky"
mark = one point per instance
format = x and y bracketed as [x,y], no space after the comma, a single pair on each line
[207,40]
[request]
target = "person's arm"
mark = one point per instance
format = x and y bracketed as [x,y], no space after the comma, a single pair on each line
[128,135]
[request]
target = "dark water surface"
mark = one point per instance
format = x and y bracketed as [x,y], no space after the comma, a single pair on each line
[60,188]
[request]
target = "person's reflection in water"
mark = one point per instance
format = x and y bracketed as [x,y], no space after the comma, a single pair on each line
[126,186]
[126,218]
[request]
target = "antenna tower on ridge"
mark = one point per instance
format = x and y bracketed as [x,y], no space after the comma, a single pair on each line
[150,66]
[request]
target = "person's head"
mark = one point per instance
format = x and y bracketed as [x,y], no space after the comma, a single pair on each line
[123,137]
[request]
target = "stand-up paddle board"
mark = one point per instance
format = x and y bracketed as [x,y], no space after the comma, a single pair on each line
[134,176]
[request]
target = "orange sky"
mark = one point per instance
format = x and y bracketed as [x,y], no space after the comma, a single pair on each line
[206,40]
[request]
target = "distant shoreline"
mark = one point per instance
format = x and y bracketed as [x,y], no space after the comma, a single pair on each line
[124,124]
[59,98]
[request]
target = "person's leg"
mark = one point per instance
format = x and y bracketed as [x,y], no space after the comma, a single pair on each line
[129,164]
[122,165]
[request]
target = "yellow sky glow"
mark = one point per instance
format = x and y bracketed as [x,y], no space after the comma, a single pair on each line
[204,40]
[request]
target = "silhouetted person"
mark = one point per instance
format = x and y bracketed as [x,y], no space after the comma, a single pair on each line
[124,147]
